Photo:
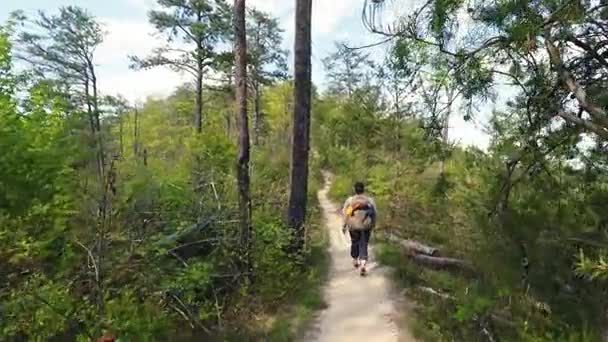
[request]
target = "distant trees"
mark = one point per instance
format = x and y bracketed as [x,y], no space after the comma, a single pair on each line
[267,61]
[62,47]
[347,70]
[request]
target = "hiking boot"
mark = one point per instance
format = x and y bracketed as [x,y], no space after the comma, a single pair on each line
[363,269]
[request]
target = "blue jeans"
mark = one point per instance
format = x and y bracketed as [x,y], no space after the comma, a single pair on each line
[359,240]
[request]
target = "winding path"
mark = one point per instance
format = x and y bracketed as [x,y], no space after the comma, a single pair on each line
[359,308]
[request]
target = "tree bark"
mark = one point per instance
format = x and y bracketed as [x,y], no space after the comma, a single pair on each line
[428,256]
[96,114]
[106,184]
[242,166]
[301,122]
[91,113]
[256,113]
[121,132]
[256,88]
[446,127]
[198,108]
[136,134]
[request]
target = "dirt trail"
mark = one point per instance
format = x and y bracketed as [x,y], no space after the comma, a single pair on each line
[359,308]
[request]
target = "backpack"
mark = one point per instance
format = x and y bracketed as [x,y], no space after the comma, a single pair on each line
[360,214]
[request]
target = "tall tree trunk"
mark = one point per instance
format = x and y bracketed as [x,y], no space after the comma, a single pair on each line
[242,166]
[97,114]
[446,127]
[198,109]
[301,122]
[121,132]
[93,120]
[87,96]
[227,122]
[136,134]
[256,87]
[104,202]
[256,112]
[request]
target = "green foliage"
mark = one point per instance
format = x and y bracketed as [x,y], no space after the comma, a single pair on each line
[469,311]
[6,79]
[549,215]
[41,308]
[272,242]
[267,59]
[442,12]
[525,211]
[305,289]
[595,269]
[61,46]
[131,227]
[136,319]
[476,77]
[148,249]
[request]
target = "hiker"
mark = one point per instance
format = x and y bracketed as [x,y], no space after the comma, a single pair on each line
[359,218]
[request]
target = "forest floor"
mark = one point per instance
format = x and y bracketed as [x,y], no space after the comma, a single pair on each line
[358,308]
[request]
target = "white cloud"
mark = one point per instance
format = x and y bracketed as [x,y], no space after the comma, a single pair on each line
[138,85]
[326,15]
[143,4]
[125,37]
[131,37]
[271,6]
[468,133]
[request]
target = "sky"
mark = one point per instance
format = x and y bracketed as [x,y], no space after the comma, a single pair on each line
[128,33]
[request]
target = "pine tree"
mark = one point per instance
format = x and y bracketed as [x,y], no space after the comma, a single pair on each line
[201,25]
[242,166]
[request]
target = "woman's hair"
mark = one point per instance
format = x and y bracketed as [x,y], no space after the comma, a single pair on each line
[359,188]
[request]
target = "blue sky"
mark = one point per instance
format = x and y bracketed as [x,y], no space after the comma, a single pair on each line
[129,33]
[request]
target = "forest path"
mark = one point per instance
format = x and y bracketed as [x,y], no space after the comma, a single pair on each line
[359,308]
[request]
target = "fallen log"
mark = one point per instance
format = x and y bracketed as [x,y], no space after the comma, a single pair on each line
[414,247]
[435,292]
[428,256]
[419,248]
[184,235]
[441,263]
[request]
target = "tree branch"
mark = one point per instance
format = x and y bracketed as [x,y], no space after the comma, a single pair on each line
[588,125]
[589,49]
[90,255]
[597,113]
[183,29]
